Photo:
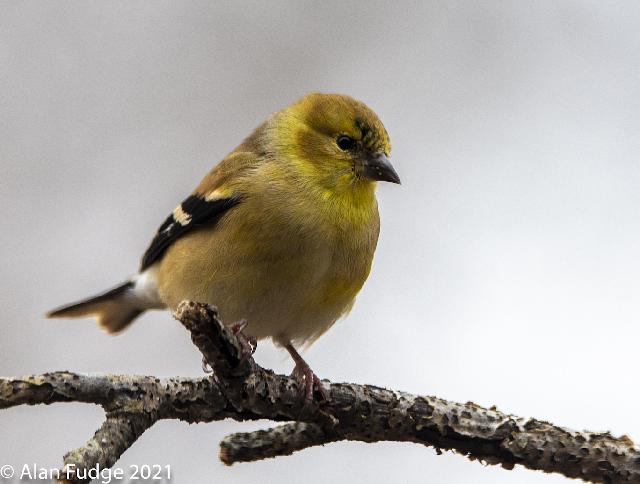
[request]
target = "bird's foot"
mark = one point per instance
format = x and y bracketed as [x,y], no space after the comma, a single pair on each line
[308,381]
[306,378]
[205,366]
[248,344]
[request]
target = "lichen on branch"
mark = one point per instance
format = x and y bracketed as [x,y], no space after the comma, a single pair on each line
[240,389]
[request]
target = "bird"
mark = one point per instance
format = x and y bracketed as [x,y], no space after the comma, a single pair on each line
[279,236]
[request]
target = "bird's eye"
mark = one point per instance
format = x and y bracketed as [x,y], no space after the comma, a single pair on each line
[345,142]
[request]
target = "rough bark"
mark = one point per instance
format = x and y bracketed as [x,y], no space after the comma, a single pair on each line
[242,390]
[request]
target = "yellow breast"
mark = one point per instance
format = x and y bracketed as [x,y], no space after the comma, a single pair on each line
[288,260]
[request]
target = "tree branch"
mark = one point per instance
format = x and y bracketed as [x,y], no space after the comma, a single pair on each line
[278,441]
[117,434]
[242,390]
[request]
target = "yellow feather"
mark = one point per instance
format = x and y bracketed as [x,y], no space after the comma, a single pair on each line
[294,251]
[292,256]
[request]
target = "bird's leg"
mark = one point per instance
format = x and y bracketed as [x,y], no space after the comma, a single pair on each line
[248,343]
[305,376]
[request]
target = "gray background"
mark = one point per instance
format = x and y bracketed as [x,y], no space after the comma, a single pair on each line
[507,268]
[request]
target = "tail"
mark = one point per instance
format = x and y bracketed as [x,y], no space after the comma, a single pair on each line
[114,310]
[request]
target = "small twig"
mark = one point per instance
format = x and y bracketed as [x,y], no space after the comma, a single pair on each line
[277,441]
[242,390]
[116,435]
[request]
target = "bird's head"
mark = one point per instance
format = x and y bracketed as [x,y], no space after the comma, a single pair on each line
[335,141]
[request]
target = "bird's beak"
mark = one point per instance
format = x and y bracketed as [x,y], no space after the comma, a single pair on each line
[378,167]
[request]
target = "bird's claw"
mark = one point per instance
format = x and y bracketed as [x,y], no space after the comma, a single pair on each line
[308,381]
[248,344]
[205,366]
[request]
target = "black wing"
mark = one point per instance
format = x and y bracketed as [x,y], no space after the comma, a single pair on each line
[193,212]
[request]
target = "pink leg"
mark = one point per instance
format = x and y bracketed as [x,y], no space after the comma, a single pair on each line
[247,342]
[305,376]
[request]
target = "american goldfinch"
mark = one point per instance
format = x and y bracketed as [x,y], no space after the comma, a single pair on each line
[280,234]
